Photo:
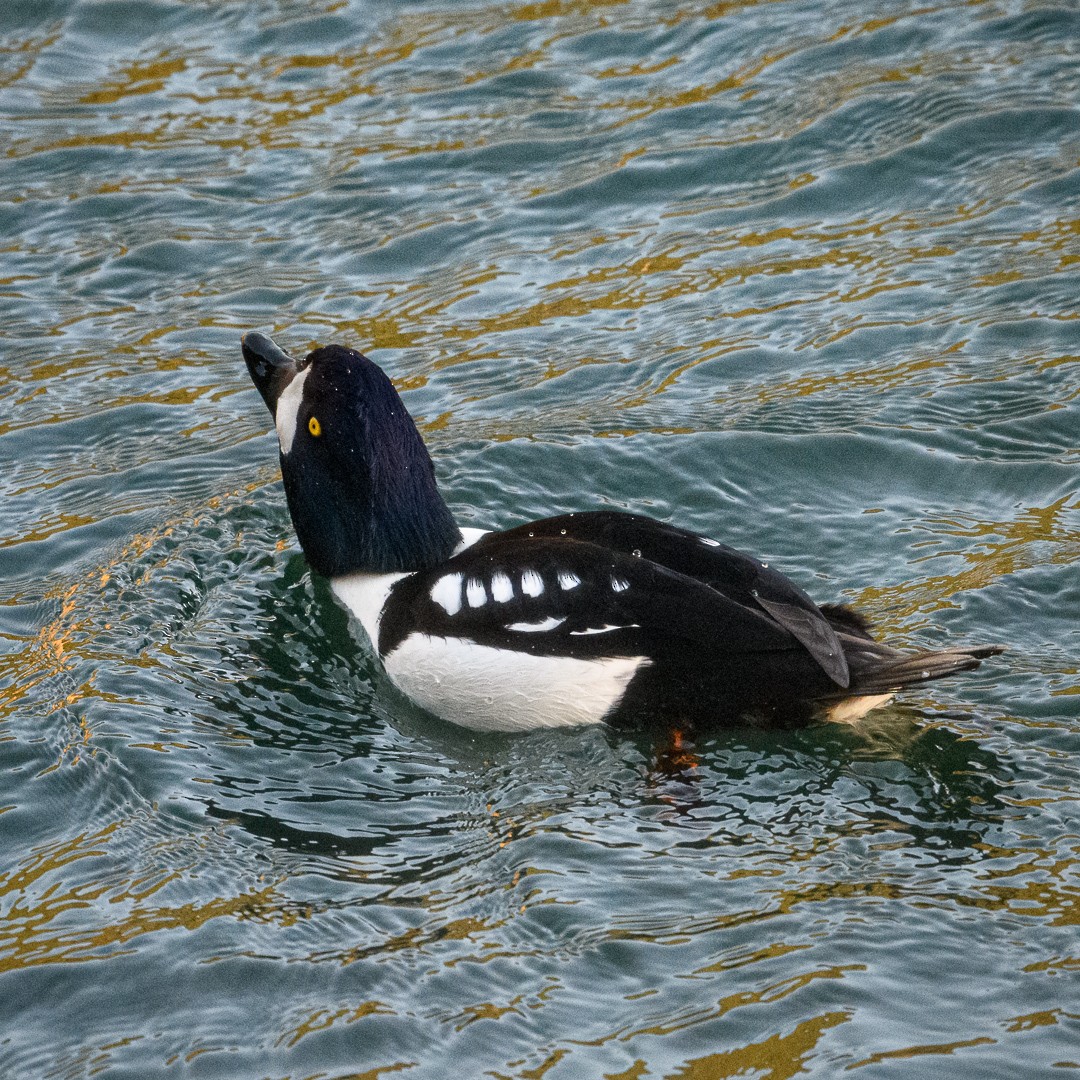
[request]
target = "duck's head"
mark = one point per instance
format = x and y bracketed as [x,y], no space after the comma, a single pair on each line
[358,478]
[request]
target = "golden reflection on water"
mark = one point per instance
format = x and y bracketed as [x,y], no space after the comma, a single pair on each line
[921,1051]
[779,1057]
[656,277]
[1009,547]
[139,78]
[637,109]
[44,657]
[669,270]
[322,1020]
[34,903]
[85,611]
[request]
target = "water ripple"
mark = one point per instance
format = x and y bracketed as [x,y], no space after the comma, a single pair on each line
[801,277]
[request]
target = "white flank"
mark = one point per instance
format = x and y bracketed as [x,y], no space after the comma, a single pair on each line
[288,406]
[710,543]
[603,629]
[446,592]
[364,595]
[490,689]
[544,624]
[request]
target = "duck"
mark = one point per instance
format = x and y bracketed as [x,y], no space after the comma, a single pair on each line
[593,617]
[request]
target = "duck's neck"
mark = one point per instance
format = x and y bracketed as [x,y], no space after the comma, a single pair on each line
[398,524]
[409,528]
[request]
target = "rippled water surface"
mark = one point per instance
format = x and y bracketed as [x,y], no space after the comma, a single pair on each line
[802,276]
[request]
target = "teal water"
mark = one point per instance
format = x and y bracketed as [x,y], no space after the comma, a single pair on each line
[799,276]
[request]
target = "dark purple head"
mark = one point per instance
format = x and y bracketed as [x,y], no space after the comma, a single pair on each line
[358,478]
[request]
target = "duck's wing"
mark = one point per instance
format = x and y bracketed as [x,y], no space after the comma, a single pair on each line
[741,578]
[541,590]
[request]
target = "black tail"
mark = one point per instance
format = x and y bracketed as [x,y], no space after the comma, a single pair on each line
[884,674]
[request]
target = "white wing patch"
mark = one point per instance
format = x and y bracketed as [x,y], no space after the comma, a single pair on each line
[490,689]
[502,588]
[545,624]
[619,584]
[532,584]
[288,406]
[603,629]
[568,580]
[446,592]
[475,592]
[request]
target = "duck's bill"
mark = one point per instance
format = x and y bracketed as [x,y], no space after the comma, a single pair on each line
[271,367]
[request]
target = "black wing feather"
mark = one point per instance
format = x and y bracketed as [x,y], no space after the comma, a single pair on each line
[735,575]
[640,588]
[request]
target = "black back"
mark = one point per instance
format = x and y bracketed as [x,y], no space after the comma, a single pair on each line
[608,584]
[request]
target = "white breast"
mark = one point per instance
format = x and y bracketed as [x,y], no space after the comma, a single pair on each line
[490,689]
[484,688]
[364,595]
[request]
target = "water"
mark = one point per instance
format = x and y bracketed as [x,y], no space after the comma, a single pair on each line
[800,276]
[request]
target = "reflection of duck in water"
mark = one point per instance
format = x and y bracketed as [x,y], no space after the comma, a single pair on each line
[574,619]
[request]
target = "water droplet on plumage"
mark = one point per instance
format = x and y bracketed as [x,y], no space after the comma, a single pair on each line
[636,553]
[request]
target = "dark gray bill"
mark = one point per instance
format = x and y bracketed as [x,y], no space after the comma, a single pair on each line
[271,367]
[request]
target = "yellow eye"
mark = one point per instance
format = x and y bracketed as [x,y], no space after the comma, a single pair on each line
[314,427]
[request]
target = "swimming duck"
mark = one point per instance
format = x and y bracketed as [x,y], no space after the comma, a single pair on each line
[582,618]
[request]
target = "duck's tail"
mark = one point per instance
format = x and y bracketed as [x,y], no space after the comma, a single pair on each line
[878,669]
[885,674]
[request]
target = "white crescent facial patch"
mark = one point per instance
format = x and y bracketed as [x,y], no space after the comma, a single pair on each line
[288,408]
